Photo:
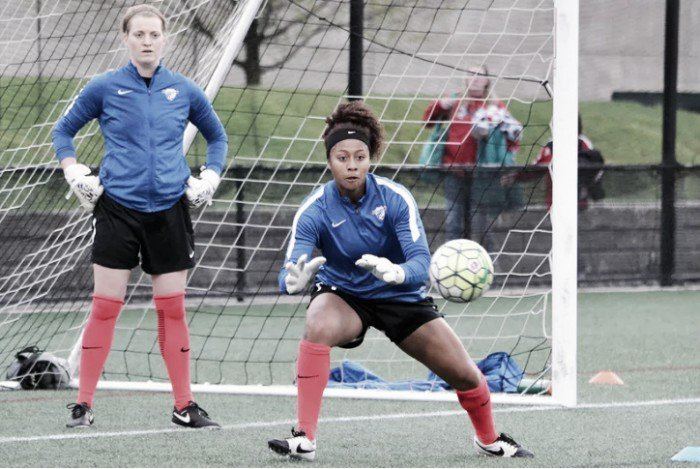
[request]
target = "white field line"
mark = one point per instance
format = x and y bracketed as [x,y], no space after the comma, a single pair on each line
[87,433]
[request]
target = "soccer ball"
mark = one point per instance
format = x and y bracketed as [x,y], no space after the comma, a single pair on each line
[461,270]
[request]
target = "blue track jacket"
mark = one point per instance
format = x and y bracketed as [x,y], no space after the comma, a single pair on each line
[385,222]
[144,167]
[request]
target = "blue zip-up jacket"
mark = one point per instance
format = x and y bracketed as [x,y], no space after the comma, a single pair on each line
[385,222]
[144,167]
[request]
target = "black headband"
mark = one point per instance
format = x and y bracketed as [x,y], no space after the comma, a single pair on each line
[344,134]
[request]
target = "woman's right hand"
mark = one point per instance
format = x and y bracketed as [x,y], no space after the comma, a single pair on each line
[86,188]
[300,274]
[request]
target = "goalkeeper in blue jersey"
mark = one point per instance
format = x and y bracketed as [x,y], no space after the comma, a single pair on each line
[373,271]
[140,201]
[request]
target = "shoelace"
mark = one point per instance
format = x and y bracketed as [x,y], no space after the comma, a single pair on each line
[194,407]
[296,433]
[77,410]
[507,439]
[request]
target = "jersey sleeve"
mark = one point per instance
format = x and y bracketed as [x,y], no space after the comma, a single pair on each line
[304,238]
[203,116]
[411,235]
[84,108]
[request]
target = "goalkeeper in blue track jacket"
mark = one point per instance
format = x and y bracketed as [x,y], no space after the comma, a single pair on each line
[373,272]
[141,200]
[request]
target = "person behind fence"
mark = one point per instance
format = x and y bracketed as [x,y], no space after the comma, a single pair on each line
[590,172]
[141,200]
[372,271]
[480,133]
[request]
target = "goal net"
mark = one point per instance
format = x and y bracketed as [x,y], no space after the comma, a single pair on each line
[278,86]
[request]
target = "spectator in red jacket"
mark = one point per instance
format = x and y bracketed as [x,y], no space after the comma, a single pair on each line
[465,142]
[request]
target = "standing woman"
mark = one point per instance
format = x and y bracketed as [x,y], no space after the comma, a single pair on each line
[143,214]
[373,272]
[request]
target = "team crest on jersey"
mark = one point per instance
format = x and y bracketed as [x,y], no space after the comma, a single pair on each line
[380,212]
[170,93]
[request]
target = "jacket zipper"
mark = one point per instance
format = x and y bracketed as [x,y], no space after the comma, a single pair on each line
[150,143]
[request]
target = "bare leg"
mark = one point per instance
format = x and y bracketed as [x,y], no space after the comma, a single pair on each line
[110,282]
[437,346]
[170,283]
[330,321]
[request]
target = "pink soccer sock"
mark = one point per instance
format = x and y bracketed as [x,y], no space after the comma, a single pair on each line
[174,341]
[477,403]
[97,341]
[313,367]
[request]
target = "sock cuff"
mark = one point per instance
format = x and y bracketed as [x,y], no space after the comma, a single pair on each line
[476,392]
[106,299]
[169,296]
[314,348]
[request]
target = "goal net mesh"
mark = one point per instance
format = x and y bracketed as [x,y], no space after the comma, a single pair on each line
[290,74]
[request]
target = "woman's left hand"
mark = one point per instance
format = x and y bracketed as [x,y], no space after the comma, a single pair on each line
[382,268]
[201,190]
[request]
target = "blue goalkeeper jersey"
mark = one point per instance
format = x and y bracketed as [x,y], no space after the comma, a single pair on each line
[385,222]
[144,166]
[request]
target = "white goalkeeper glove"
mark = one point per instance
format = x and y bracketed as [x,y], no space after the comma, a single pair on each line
[382,268]
[300,274]
[85,187]
[201,190]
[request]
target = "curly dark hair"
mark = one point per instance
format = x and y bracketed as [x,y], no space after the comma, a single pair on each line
[357,115]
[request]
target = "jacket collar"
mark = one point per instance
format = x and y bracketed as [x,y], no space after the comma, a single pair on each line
[370,188]
[131,68]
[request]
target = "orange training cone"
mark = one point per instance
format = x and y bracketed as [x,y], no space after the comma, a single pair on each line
[606,377]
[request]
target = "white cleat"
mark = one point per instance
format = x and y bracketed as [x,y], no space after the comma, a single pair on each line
[296,447]
[503,447]
[80,415]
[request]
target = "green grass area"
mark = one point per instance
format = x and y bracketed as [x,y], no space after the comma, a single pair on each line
[630,133]
[648,338]
[626,133]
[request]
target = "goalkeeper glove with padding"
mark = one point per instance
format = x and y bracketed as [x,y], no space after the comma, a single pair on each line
[382,268]
[201,190]
[85,187]
[300,274]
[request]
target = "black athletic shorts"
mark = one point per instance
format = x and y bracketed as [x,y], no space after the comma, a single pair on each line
[163,241]
[397,319]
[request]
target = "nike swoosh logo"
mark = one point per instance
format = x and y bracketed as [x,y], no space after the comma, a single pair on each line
[183,349]
[302,377]
[500,451]
[123,92]
[186,419]
[88,348]
[191,254]
[301,450]
[336,225]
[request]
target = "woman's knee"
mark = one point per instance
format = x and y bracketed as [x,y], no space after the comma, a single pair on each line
[320,331]
[322,326]
[465,378]
[105,308]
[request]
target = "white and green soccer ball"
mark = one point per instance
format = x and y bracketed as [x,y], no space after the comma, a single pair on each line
[461,270]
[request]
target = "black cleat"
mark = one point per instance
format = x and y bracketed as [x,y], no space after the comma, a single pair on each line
[503,447]
[297,447]
[193,416]
[80,415]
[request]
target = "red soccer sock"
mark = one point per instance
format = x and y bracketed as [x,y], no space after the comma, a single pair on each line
[174,341]
[477,403]
[313,367]
[97,341]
